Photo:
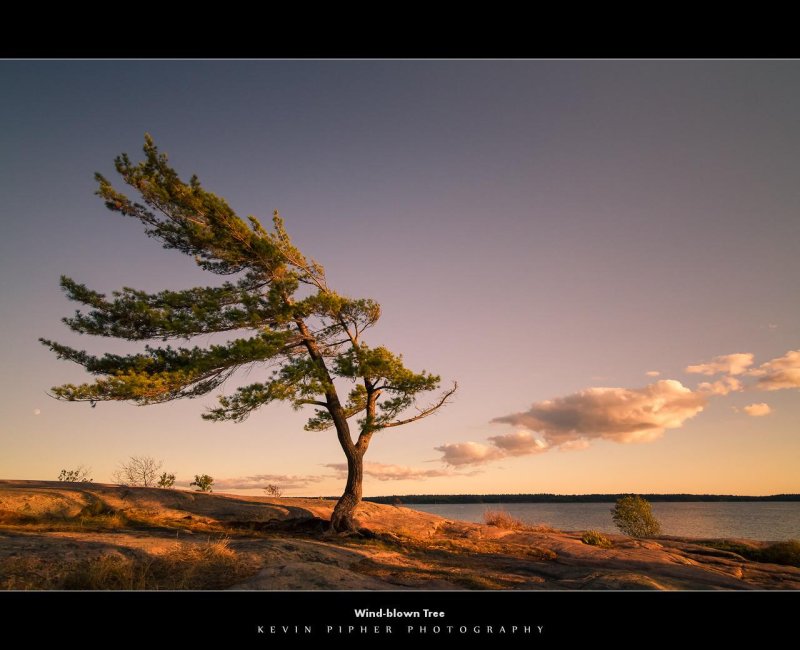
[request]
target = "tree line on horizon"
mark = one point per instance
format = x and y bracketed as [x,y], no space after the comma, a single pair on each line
[426,499]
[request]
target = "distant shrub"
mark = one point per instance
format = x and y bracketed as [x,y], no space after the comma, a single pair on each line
[633,515]
[273,490]
[596,538]
[203,482]
[166,480]
[138,471]
[501,519]
[78,475]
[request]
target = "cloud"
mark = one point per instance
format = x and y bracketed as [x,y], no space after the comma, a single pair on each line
[570,423]
[521,443]
[619,414]
[783,372]
[731,364]
[626,415]
[757,410]
[721,386]
[259,481]
[468,453]
[386,472]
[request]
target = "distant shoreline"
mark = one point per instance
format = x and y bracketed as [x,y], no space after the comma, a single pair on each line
[426,499]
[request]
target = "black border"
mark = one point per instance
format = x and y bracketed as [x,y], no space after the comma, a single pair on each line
[627,618]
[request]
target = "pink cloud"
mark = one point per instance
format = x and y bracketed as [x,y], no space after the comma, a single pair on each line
[468,453]
[260,481]
[779,373]
[387,472]
[730,364]
[619,414]
[721,386]
[521,443]
[757,410]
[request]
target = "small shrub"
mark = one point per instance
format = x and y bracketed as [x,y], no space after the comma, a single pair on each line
[596,538]
[633,515]
[80,474]
[166,480]
[502,519]
[273,490]
[203,482]
[97,515]
[95,508]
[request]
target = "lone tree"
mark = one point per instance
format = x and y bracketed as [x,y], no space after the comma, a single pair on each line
[307,333]
[138,471]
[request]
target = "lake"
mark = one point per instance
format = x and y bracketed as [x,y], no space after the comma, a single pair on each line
[754,520]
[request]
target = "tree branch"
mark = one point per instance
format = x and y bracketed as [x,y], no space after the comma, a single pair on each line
[424,413]
[312,402]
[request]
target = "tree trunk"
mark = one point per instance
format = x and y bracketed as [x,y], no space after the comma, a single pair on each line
[342,519]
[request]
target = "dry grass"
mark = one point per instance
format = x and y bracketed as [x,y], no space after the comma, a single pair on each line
[786,553]
[475,547]
[20,522]
[502,519]
[213,565]
[98,517]
[542,528]
[210,565]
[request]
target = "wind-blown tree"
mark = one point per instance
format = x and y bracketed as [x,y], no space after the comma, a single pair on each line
[306,337]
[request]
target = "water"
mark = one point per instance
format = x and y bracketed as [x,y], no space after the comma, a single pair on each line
[772,521]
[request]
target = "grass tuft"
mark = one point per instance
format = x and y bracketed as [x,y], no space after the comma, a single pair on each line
[787,552]
[596,538]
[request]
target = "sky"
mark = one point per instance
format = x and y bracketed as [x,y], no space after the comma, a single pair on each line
[603,254]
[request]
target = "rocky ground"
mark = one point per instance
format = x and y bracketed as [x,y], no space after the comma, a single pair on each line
[72,535]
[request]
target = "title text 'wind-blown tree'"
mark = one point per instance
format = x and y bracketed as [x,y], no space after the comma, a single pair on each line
[309,334]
